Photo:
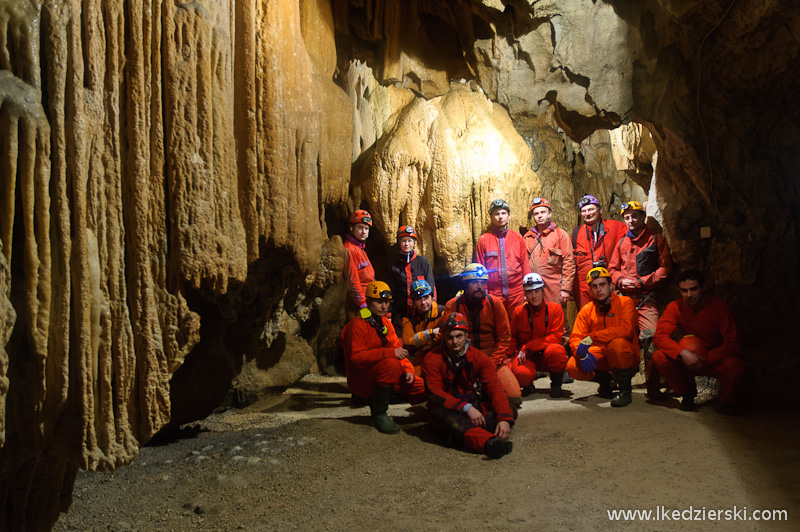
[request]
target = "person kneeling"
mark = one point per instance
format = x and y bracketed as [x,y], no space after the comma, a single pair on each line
[605,338]
[464,392]
[374,359]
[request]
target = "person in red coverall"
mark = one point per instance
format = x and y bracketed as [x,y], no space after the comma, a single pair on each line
[403,271]
[421,329]
[502,251]
[464,393]
[550,254]
[489,329]
[593,243]
[605,339]
[374,359]
[640,263]
[537,328]
[705,321]
[358,271]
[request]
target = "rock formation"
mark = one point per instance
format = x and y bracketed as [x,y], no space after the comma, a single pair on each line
[173,176]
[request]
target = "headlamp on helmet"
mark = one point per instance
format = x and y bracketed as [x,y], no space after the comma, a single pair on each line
[407,230]
[499,204]
[455,322]
[631,206]
[360,217]
[475,272]
[420,288]
[532,281]
[588,199]
[540,202]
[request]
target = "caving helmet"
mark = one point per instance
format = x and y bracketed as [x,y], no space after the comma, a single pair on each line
[407,230]
[532,281]
[631,206]
[597,273]
[360,217]
[420,288]
[499,204]
[475,271]
[378,290]
[455,322]
[540,202]
[588,199]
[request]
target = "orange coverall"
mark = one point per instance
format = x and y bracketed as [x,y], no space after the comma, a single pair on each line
[712,322]
[539,332]
[451,386]
[550,255]
[358,271]
[369,360]
[614,335]
[590,247]
[505,256]
[624,266]
[492,336]
[418,333]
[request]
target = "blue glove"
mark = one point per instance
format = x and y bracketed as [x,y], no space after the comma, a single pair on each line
[587,360]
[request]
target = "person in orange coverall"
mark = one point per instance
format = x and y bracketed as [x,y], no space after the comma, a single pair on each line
[550,254]
[374,359]
[605,339]
[489,328]
[421,329]
[358,271]
[464,393]
[537,328]
[639,264]
[708,323]
[593,243]
[502,251]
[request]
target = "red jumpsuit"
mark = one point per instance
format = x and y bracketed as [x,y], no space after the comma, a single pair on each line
[492,336]
[451,386]
[369,360]
[613,331]
[550,255]
[358,272]
[589,247]
[713,324]
[505,256]
[646,259]
[539,333]
[418,333]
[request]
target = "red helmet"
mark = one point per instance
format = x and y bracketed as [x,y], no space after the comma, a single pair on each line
[407,230]
[455,321]
[694,344]
[540,202]
[361,217]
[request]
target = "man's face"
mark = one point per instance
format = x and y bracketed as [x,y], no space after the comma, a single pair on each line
[601,289]
[406,244]
[360,231]
[691,292]
[378,307]
[423,304]
[591,213]
[634,220]
[500,218]
[534,297]
[541,215]
[454,341]
[475,290]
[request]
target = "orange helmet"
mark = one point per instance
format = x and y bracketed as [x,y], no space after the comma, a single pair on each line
[540,202]
[361,217]
[407,230]
[693,343]
[456,321]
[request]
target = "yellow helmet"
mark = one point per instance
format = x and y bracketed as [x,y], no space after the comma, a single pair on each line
[595,273]
[631,206]
[378,290]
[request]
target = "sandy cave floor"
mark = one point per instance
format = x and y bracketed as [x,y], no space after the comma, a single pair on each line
[306,460]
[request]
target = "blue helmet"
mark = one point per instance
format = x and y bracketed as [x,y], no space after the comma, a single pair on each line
[420,288]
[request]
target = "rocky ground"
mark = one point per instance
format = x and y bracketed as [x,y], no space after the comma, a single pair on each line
[306,460]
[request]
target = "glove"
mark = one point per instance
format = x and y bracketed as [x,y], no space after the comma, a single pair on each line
[587,360]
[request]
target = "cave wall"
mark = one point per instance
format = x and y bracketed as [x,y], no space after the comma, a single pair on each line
[173,178]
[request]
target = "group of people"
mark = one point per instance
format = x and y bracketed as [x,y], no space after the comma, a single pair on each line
[475,357]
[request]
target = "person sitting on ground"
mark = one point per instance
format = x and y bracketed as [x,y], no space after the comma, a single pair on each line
[407,268]
[605,339]
[464,394]
[489,328]
[421,328]
[537,328]
[358,271]
[502,252]
[697,335]
[374,359]
[640,263]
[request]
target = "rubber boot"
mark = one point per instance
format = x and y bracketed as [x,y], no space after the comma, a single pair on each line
[623,378]
[378,408]
[528,390]
[497,447]
[603,378]
[687,401]
[566,379]
[653,382]
[555,385]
